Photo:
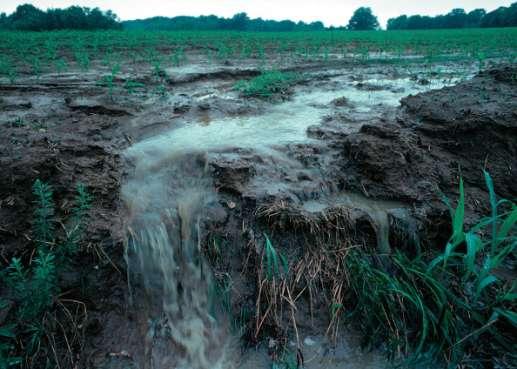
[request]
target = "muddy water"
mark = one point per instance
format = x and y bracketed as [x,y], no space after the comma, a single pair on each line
[282,124]
[376,209]
[166,196]
[318,353]
[163,255]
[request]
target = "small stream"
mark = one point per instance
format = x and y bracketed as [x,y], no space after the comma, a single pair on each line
[167,194]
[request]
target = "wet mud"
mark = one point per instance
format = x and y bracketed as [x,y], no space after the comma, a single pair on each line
[359,155]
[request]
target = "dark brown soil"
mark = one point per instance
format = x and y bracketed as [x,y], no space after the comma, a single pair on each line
[410,155]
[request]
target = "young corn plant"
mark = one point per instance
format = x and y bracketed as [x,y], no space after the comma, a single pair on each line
[61,65]
[109,80]
[36,66]
[133,86]
[179,56]
[83,60]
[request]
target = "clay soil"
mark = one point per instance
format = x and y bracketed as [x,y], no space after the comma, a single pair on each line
[65,129]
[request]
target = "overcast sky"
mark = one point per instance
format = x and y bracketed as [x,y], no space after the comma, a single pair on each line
[331,12]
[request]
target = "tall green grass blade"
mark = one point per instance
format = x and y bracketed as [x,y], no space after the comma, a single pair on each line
[474,245]
[7,331]
[507,225]
[484,283]
[458,219]
[511,316]
[272,268]
[493,206]
[497,260]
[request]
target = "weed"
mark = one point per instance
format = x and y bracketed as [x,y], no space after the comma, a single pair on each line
[267,84]
[179,56]
[7,340]
[13,75]
[438,308]
[34,288]
[44,224]
[273,260]
[77,226]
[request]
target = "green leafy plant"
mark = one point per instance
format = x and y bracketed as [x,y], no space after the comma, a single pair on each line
[34,288]
[61,65]
[75,232]
[44,223]
[83,60]
[7,338]
[109,80]
[273,261]
[450,307]
[267,84]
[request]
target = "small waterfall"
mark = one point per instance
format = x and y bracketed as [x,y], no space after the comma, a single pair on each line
[166,197]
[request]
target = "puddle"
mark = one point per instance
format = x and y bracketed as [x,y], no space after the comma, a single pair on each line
[389,92]
[318,353]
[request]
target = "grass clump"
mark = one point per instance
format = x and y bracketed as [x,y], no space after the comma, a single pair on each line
[456,306]
[268,84]
[29,333]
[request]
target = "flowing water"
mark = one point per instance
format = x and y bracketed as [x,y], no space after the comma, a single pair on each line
[376,209]
[166,196]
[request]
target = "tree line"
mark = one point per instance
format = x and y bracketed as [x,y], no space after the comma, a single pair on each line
[239,22]
[29,18]
[458,18]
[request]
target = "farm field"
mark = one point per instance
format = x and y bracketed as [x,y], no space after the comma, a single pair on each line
[329,199]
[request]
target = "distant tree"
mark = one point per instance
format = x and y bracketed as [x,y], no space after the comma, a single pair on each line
[316,26]
[495,18]
[28,17]
[363,20]
[239,21]
[397,23]
[457,18]
[501,17]
[474,17]
[3,21]
[511,16]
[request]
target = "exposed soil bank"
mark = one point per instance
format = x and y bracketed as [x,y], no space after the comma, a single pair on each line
[368,173]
